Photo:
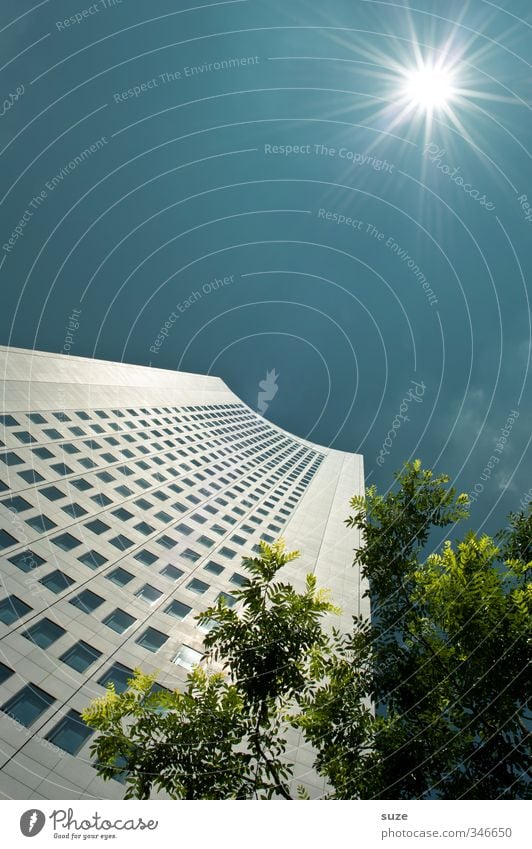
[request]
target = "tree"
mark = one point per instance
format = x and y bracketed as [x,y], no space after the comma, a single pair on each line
[426,700]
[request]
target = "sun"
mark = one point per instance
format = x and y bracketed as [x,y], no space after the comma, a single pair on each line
[429,87]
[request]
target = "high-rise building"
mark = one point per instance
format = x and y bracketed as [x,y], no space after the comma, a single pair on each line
[128,496]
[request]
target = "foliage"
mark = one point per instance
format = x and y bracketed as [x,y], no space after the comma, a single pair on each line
[426,700]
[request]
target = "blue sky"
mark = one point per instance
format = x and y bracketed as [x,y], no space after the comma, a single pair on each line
[244,188]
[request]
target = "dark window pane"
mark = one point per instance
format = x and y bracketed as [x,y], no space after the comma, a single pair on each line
[197,586]
[13,608]
[44,633]
[92,559]
[172,572]
[57,581]
[80,656]
[52,493]
[31,476]
[151,639]
[87,601]
[26,560]
[10,458]
[5,672]
[119,620]
[6,540]
[16,503]
[97,526]
[41,523]
[70,733]
[66,542]
[120,576]
[121,542]
[117,674]
[146,557]
[177,609]
[28,704]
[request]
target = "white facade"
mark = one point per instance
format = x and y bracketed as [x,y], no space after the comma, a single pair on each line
[127,497]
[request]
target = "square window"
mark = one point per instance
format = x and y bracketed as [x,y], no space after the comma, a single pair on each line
[87,601]
[121,542]
[146,557]
[183,529]
[26,560]
[82,415]
[8,420]
[227,552]
[24,437]
[124,490]
[152,639]
[120,576]
[70,733]
[66,542]
[117,674]
[28,704]
[179,508]
[81,484]
[44,633]
[62,469]
[166,541]
[207,541]
[163,516]
[16,503]
[213,567]
[75,510]
[172,572]
[149,593]
[30,476]
[229,600]
[197,517]
[106,477]
[177,609]
[80,656]
[13,608]
[122,514]
[52,493]
[36,418]
[10,458]
[5,672]
[101,499]
[6,540]
[41,523]
[57,581]
[187,657]
[143,503]
[190,554]
[97,526]
[42,453]
[93,559]
[119,620]
[197,586]
[69,448]
[144,528]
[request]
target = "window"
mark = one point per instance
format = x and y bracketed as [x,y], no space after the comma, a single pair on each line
[125,491]
[31,476]
[97,526]
[42,453]
[36,418]
[146,557]
[177,609]
[166,541]
[120,576]
[238,539]
[26,560]
[6,540]
[197,586]
[106,477]
[70,733]
[57,581]
[119,620]
[117,674]
[121,542]
[44,633]
[68,448]
[101,499]
[41,523]
[149,593]
[75,510]
[10,458]
[62,469]
[93,559]
[66,542]
[187,657]
[172,572]
[163,516]
[213,567]
[80,656]
[205,540]
[52,493]
[143,503]
[144,528]
[81,484]
[152,639]
[28,704]
[238,580]
[5,672]
[87,601]
[230,600]
[13,608]
[8,421]
[17,504]
[122,514]
[227,552]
